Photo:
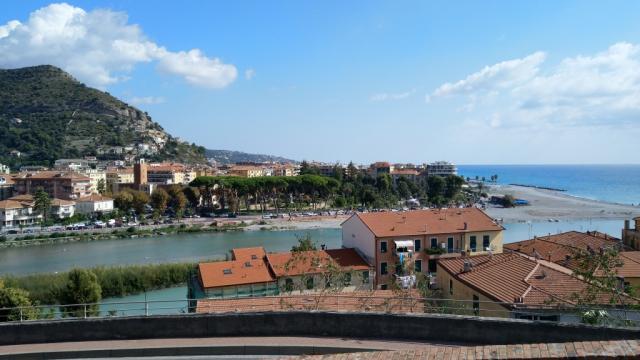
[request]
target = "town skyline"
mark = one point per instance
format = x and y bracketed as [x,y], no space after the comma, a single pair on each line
[337,83]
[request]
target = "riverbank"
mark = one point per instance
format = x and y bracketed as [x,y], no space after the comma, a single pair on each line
[301,223]
[553,205]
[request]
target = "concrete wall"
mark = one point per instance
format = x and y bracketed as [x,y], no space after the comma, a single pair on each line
[355,234]
[440,328]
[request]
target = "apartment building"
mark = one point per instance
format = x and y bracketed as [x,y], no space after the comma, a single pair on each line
[401,245]
[167,174]
[286,170]
[4,169]
[253,272]
[66,185]
[442,168]
[96,177]
[18,213]
[94,204]
[6,187]
[247,171]
[631,236]
[62,209]
[512,285]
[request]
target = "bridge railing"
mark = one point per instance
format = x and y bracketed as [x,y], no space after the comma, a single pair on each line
[325,302]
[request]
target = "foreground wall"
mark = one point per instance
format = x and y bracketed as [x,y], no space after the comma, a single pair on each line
[441,328]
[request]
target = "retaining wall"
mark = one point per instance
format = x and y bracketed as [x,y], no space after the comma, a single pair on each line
[433,328]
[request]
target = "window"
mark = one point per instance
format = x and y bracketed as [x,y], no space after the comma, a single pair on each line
[383,287]
[434,243]
[417,245]
[433,265]
[450,286]
[476,305]
[309,283]
[450,244]
[288,284]
[365,277]
[347,279]
[472,242]
[418,266]
[383,246]
[485,242]
[383,268]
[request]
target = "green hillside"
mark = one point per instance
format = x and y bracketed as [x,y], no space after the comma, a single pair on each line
[46,114]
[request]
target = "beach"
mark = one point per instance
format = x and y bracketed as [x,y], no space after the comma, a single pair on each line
[555,205]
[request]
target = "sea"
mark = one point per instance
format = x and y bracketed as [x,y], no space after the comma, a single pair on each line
[612,183]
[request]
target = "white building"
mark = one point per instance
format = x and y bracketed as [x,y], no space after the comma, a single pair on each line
[94,203]
[62,209]
[442,168]
[4,169]
[16,213]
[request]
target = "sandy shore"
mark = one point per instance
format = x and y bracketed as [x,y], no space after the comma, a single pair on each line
[301,223]
[549,204]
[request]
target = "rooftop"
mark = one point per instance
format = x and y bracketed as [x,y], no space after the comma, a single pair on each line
[234,272]
[94,198]
[432,221]
[49,175]
[517,279]
[560,248]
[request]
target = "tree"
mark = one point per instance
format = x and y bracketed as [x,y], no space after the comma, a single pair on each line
[305,243]
[123,201]
[42,203]
[436,185]
[193,195]
[453,186]
[140,200]
[159,200]
[82,287]
[179,203]
[102,187]
[11,298]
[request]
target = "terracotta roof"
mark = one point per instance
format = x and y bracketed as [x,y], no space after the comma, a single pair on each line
[231,273]
[247,254]
[561,247]
[299,263]
[44,175]
[405,172]
[61,202]
[8,180]
[378,300]
[94,198]
[348,259]
[630,264]
[23,197]
[11,204]
[434,221]
[517,279]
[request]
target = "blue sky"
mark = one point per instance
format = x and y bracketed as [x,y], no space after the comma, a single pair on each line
[472,82]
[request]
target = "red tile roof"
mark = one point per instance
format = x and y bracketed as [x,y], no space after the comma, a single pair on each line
[247,254]
[231,273]
[11,204]
[428,222]
[517,279]
[49,175]
[299,263]
[630,264]
[561,247]
[348,259]
[94,198]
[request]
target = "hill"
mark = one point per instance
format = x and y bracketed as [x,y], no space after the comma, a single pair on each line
[230,157]
[46,114]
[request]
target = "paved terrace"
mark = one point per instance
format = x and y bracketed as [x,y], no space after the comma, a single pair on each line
[330,348]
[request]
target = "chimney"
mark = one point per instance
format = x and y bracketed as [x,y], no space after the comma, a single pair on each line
[465,226]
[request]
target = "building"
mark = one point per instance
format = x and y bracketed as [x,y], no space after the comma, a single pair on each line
[72,164]
[94,204]
[512,285]
[62,209]
[401,245]
[286,170]
[380,168]
[442,168]
[561,247]
[631,236]
[140,172]
[117,176]
[4,169]
[247,171]
[167,174]
[252,272]
[97,176]
[409,174]
[17,213]
[58,184]
[6,187]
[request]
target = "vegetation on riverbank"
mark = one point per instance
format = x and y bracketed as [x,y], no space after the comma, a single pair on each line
[114,281]
[121,233]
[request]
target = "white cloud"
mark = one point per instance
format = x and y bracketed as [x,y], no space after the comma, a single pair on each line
[598,89]
[147,100]
[249,74]
[391,96]
[100,47]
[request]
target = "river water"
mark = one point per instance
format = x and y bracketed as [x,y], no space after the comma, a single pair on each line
[210,246]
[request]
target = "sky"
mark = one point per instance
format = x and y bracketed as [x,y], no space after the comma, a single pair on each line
[472,82]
